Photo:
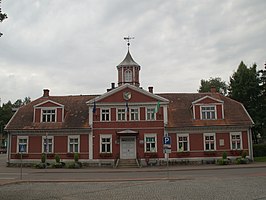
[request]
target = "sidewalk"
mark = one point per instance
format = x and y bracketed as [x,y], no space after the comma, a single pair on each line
[54,173]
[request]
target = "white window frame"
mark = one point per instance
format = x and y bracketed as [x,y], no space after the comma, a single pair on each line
[106,136]
[128,76]
[103,113]
[124,113]
[150,114]
[50,114]
[210,111]
[178,141]
[135,114]
[150,135]
[234,140]
[23,137]
[68,143]
[205,141]
[44,141]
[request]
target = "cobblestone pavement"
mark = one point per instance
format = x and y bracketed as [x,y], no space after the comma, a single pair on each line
[245,188]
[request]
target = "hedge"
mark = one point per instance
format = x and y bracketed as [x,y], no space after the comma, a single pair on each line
[259,150]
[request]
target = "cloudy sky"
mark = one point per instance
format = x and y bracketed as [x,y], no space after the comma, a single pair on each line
[73,47]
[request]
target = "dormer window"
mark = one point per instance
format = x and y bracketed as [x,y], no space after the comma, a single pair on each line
[208,112]
[48,115]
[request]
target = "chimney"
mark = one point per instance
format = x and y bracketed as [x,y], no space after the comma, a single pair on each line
[213,89]
[112,85]
[150,89]
[45,93]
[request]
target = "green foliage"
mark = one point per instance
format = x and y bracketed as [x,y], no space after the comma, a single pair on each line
[76,157]
[224,160]
[43,158]
[57,158]
[244,154]
[224,155]
[74,165]
[40,165]
[2,17]
[246,86]
[259,150]
[219,85]
[260,159]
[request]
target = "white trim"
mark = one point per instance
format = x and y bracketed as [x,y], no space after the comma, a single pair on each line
[111,143]
[43,139]
[68,142]
[48,108]
[152,112]
[209,134]
[23,137]
[90,142]
[135,88]
[205,106]
[50,101]
[207,96]
[165,114]
[135,108]
[177,139]
[121,108]
[156,146]
[101,119]
[241,141]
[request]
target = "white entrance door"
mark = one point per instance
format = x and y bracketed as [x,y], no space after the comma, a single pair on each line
[127,147]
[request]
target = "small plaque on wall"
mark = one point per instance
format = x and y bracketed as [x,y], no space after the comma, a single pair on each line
[221,141]
[141,141]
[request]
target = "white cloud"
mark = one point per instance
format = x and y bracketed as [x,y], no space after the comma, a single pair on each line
[74,47]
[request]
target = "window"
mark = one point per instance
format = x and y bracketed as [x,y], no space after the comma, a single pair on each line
[121,114]
[208,112]
[150,113]
[128,76]
[73,144]
[236,141]
[105,115]
[134,114]
[106,144]
[22,144]
[183,143]
[209,142]
[48,115]
[47,146]
[150,143]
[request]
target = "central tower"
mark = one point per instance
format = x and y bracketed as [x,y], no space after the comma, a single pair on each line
[128,69]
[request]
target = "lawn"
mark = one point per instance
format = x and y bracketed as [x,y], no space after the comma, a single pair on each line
[260,159]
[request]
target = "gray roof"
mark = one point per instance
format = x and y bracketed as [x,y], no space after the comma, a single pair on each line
[128,61]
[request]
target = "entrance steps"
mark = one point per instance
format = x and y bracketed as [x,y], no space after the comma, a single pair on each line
[128,163]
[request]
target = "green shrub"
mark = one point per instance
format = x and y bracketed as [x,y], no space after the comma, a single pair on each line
[57,165]
[74,165]
[40,165]
[43,158]
[76,157]
[244,154]
[224,155]
[57,158]
[259,150]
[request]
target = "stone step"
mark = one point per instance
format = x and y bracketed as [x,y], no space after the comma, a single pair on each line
[127,163]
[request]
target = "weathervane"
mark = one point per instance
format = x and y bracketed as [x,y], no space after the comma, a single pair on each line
[127,39]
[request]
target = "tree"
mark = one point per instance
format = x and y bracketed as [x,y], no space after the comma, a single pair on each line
[2,17]
[244,87]
[219,85]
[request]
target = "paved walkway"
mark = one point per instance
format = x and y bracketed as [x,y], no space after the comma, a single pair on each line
[7,172]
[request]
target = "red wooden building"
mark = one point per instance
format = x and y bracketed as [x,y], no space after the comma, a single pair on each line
[128,122]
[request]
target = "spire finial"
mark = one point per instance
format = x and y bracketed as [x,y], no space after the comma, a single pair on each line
[127,39]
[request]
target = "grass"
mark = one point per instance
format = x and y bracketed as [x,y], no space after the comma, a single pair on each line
[260,159]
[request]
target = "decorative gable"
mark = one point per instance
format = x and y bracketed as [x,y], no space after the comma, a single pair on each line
[208,108]
[48,112]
